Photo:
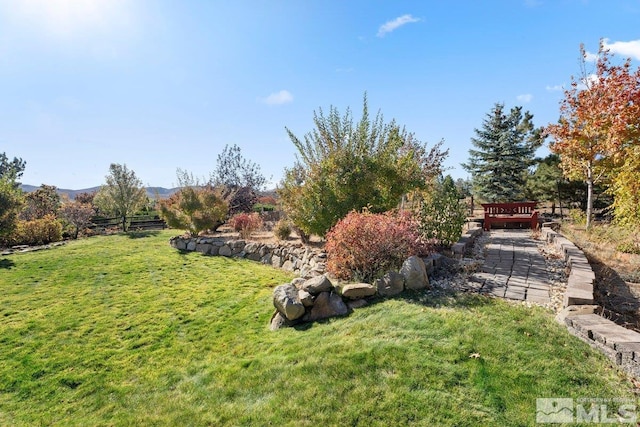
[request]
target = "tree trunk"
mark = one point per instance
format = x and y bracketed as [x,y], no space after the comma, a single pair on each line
[124,223]
[589,196]
[559,200]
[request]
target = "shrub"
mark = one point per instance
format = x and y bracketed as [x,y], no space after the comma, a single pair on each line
[195,209]
[38,231]
[261,207]
[629,247]
[442,216]
[282,230]
[245,223]
[77,215]
[578,217]
[363,246]
[345,165]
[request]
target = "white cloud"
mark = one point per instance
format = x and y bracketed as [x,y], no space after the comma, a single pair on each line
[390,26]
[554,88]
[590,57]
[278,98]
[629,49]
[525,98]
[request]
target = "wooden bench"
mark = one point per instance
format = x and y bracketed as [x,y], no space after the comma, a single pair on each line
[522,212]
[151,224]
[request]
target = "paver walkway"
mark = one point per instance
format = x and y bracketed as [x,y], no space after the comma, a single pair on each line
[514,268]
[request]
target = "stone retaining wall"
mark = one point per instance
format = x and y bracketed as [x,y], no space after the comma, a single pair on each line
[581,276]
[312,296]
[301,260]
[585,320]
[467,239]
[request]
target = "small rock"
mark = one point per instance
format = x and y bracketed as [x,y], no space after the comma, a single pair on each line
[390,284]
[316,285]
[279,321]
[356,291]
[306,298]
[225,251]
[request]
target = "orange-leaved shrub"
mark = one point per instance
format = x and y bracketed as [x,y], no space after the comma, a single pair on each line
[38,231]
[364,246]
[246,223]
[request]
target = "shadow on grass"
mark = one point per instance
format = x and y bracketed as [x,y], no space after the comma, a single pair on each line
[451,299]
[140,234]
[6,264]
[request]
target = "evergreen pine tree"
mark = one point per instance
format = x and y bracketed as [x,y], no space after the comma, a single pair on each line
[505,148]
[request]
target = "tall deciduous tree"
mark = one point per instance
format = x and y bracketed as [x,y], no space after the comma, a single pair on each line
[505,148]
[122,195]
[240,179]
[598,131]
[343,166]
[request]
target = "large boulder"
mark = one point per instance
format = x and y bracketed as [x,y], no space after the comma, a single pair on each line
[287,301]
[355,291]
[415,273]
[316,285]
[327,304]
[390,284]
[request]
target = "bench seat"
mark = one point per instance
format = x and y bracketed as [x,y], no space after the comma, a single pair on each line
[520,212]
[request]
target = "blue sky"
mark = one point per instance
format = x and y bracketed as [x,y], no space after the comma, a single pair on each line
[161,84]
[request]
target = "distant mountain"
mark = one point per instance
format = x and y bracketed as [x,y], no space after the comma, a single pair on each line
[152,192]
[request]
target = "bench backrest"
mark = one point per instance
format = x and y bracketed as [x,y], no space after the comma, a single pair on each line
[515,208]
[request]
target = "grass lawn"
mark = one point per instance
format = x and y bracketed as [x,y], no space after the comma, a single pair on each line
[123,330]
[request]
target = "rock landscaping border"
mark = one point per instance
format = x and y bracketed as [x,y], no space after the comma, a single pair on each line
[583,318]
[312,296]
[301,260]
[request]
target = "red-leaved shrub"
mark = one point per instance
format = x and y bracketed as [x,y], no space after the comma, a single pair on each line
[245,223]
[364,246]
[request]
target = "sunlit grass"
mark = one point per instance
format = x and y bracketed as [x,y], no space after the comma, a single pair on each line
[127,331]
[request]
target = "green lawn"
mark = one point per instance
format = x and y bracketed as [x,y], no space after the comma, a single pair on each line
[125,330]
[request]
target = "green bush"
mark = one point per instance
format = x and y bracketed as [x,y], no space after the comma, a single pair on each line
[578,217]
[364,246]
[345,165]
[262,207]
[629,247]
[38,231]
[442,215]
[282,229]
[195,209]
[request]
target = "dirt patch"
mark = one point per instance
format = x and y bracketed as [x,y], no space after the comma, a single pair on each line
[266,236]
[617,273]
